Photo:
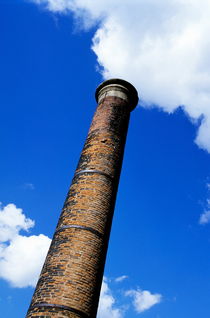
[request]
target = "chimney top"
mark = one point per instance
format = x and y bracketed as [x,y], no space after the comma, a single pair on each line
[119,88]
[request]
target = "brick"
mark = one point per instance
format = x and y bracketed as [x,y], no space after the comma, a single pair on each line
[70,281]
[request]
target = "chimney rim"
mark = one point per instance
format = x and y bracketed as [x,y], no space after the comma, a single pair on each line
[130,90]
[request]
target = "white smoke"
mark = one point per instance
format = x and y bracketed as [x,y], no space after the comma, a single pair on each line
[162,47]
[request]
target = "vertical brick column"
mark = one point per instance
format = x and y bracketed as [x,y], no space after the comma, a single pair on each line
[70,281]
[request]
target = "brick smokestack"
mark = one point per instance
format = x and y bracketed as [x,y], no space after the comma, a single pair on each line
[70,281]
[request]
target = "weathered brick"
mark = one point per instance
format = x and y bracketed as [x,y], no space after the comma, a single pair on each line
[70,281]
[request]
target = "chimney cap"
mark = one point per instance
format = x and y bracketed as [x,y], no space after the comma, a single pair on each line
[131,91]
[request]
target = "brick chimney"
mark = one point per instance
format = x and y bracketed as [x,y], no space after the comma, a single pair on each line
[70,281]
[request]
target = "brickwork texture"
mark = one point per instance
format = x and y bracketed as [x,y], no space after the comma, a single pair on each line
[70,281]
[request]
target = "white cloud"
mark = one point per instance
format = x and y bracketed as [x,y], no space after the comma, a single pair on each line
[12,220]
[107,307]
[162,47]
[204,218]
[121,278]
[21,257]
[28,186]
[143,299]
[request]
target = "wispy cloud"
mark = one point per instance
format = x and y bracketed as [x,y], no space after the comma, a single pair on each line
[205,216]
[143,299]
[121,278]
[28,186]
[21,257]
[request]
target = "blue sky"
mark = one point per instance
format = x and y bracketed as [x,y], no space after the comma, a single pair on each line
[48,78]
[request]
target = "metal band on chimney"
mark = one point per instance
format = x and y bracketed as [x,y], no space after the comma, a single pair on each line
[61,307]
[115,91]
[93,171]
[80,227]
